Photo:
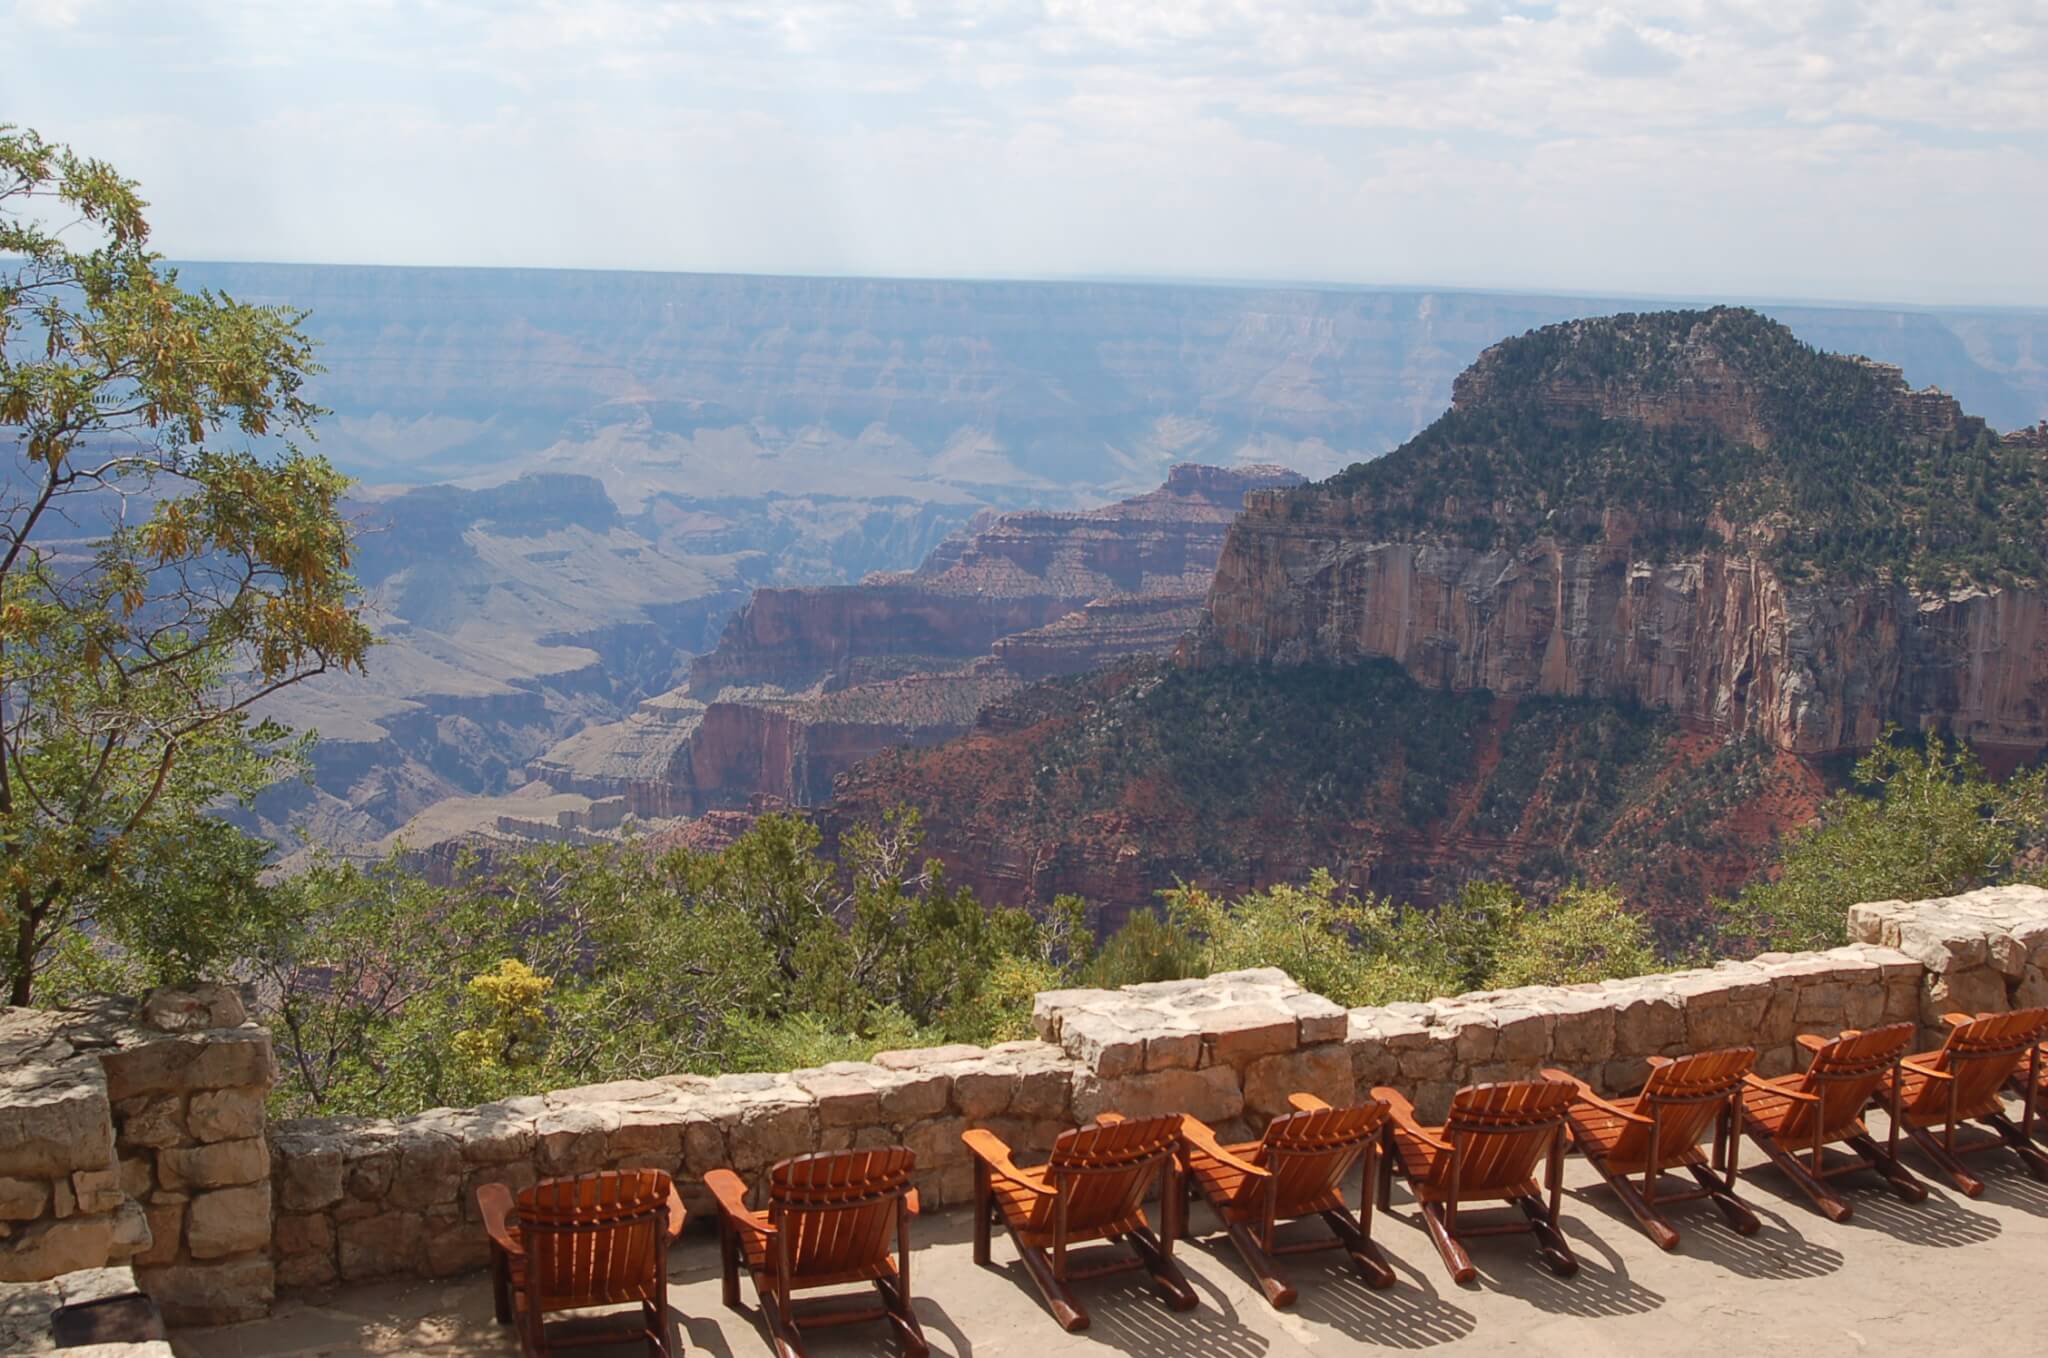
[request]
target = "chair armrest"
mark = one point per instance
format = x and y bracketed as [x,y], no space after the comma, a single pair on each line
[1402,1114]
[494,1202]
[910,1202]
[1958,1020]
[1772,1087]
[725,1186]
[1654,1062]
[677,1217]
[1814,1043]
[988,1148]
[1198,1136]
[1306,1103]
[1586,1095]
[1108,1119]
[1918,1066]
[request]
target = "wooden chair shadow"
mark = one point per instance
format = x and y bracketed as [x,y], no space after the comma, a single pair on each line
[1601,1287]
[1409,1315]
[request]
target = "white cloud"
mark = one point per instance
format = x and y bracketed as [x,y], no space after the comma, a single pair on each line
[1873,148]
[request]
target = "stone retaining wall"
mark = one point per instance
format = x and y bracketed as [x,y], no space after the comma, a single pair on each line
[357,1199]
[136,1133]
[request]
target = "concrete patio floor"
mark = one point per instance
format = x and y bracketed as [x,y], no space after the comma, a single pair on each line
[1947,1273]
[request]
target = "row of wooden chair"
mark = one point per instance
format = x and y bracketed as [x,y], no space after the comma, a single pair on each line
[841,1218]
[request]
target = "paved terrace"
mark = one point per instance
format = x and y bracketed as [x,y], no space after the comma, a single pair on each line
[1897,1277]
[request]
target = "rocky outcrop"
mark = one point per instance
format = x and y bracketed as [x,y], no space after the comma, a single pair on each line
[1755,596]
[1721,638]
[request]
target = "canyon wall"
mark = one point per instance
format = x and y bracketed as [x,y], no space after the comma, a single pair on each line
[1718,637]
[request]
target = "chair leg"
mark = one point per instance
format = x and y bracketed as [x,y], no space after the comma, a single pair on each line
[729,1263]
[908,1331]
[2030,1154]
[1551,1245]
[782,1329]
[1951,1164]
[1365,1255]
[1454,1256]
[501,1284]
[1059,1298]
[1631,1197]
[1166,1275]
[1830,1203]
[1279,1294]
[984,1211]
[1733,1209]
[1908,1188]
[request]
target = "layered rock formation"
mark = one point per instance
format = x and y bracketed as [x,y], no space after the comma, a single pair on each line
[1754,632]
[806,683]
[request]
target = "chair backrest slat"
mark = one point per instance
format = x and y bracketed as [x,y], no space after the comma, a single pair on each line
[1684,1097]
[1845,1073]
[1103,1170]
[594,1239]
[837,1210]
[1310,1152]
[1981,1054]
[1498,1132]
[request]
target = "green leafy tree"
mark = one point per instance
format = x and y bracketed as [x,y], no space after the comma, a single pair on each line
[1915,823]
[169,558]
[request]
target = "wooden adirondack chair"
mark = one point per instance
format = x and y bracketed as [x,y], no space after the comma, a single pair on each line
[1092,1187]
[2030,1081]
[1295,1170]
[1824,1106]
[1941,1090]
[1660,1130]
[595,1240]
[833,1219]
[1486,1151]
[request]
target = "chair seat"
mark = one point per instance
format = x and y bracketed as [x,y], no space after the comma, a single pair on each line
[1029,1214]
[760,1263]
[1602,1131]
[1923,1100]
[1223,1185]
[1772,1109]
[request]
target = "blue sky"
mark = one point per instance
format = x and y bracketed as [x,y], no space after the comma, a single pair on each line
[1855,149]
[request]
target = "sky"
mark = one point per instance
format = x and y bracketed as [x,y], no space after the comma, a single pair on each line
[1881,150]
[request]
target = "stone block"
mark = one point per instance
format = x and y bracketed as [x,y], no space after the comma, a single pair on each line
[378,1246]
[1523,1036]
[1582,1029]
[771,1130]
[306,1272]
[1211,1094]
[212,1293]
[496,1133]
[60,1122]
[1978,990]
[197,1009]
[132,1234]
[844,1098]
[1239,1034]
[166,1231]
[309,1172]
[23,1199]
[1323,1070]
[228,1221]
[1941,945]
[936,1142]
[97,1190]
[573,1140]
[648,1136]
[152,1120]
[917,1092]
[1173,1051]
[49,1248]
[220,1165]
[1317,1018]
[1648,1020]
[1103,1045]
[303,1233]
[1433,1062]
[429,1171]
[225,1114]
[912,1058]
[138,1176]
[223,1059]
[1472,1031]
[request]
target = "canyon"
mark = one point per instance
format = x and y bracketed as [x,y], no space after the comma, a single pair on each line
[1614,617]
[805,683]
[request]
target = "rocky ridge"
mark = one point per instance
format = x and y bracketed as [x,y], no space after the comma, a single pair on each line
[806,683]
